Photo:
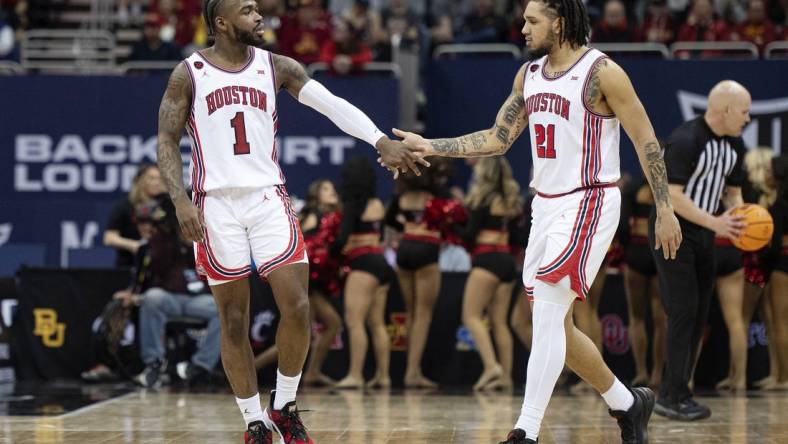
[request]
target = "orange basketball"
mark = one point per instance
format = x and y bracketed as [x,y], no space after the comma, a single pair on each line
[759,227]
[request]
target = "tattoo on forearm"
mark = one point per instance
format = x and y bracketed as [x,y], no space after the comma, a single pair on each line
[509,123]
[593,91]
[173,112]
[471,145]
[657,174]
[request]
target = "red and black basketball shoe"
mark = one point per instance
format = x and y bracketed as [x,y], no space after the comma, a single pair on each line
[517,436]
[286,423]
[257,433]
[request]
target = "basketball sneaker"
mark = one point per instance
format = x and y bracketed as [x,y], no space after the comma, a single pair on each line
[517,436]
[286,422]
[257,434]
[634,422]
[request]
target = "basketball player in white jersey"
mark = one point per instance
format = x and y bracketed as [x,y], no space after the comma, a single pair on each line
[573,99]
[226,98]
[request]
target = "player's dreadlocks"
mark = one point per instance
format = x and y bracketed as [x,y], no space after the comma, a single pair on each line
[575,28]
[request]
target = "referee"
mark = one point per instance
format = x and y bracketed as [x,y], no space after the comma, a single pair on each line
[703,158]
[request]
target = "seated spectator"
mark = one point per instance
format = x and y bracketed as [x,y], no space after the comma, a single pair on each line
[757,28]
[272,12]
[702,26]
[175,290]
[514,34]
[778,13]
[304,31]
[180,19]
[152,47]
[482,24]
[122,233]
[614,26]
[345,52]
[397,21]
[362,18]
[658,24]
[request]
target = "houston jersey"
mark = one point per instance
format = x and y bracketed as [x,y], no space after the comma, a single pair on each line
[571,146]
[233,124]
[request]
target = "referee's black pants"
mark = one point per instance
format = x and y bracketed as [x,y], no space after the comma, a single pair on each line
[686,285]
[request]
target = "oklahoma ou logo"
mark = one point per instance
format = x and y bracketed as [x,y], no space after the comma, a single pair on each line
[615,334]
[769,125]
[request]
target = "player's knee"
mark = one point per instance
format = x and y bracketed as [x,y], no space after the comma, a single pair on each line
[234,317]
[297,310]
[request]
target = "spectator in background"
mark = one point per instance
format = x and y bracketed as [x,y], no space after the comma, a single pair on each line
[514,34]
[757,28]
[180,19]
[345,53]
[304,31]
[658,25]
[482,24]
[152,47]
[175,290]
[614,26]
[702,26]
[398,21]
[362,18]
[272,12]
[122,233]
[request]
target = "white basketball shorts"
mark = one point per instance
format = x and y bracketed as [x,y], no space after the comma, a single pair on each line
[570,236]
[242,224]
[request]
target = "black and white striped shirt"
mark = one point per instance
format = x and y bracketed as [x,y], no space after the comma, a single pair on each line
[703,162]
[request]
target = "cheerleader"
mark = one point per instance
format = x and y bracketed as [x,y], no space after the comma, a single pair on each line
[367,284]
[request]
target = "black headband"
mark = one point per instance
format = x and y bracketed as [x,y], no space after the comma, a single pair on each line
[209,13]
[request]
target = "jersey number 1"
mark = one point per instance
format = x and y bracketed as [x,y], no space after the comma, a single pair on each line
[241,145]
[545,138]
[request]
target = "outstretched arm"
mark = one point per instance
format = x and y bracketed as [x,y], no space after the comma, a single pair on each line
[173,113]
[293,78]
[509,124]
[610,83]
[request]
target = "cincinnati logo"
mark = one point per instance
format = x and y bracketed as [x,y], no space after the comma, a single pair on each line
[398,332]
[52,332]
[769,125]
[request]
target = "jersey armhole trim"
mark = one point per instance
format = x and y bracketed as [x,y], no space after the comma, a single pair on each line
[585,85]
[194,83]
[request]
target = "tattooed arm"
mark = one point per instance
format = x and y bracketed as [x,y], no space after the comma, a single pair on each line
[609,89]
[173,113]
[395,155]
[509,124]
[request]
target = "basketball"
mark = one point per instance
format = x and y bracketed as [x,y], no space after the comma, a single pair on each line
[759,227]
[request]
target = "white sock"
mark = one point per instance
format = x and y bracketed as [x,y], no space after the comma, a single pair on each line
[250,408]
[286,388]
[618,397]
[548,354]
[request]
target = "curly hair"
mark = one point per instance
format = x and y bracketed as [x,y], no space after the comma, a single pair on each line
[493,178]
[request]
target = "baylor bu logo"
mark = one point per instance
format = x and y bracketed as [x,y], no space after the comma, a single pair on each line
[52,333]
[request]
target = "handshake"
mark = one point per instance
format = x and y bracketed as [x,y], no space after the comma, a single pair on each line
[403,155]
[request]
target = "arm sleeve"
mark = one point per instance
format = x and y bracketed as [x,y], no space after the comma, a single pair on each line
[344,115]
[471,229]
[680,156]
[391,214]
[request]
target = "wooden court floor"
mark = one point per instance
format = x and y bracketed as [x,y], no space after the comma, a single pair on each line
[391,417]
